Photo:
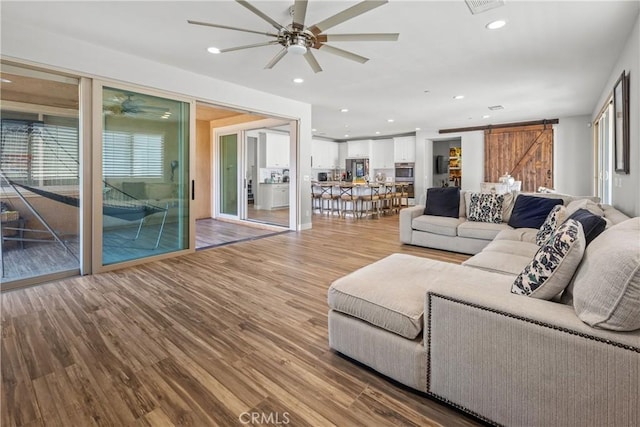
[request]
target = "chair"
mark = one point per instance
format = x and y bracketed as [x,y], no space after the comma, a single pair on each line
[316,198]
[348,195]
[371,200]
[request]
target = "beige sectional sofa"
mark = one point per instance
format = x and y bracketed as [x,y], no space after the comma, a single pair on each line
[458,333]
[468,237]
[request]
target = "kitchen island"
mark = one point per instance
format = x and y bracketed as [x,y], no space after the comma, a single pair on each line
[272,195]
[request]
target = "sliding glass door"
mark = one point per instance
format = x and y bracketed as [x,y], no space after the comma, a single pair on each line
[40,167]
[144,183]
[229,174]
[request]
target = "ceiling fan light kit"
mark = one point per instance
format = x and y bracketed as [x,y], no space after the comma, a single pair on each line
[299,40]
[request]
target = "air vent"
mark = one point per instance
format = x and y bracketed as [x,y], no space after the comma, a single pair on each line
[496,107]
[479,6]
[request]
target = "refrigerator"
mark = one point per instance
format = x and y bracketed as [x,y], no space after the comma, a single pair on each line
[357,169]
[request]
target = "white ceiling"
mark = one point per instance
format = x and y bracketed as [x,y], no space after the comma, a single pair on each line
[551,60]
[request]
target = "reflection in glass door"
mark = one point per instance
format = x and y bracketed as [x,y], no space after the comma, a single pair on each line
[39,177]
[145,175]
[229,174]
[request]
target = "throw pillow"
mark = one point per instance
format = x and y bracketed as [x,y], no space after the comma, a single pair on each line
[531,211]
[443,201]
[553,266]
[486,207]
[592,224]
[554,219]
[606,288]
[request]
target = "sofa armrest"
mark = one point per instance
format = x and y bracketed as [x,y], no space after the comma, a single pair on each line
[406,218]
[516,360]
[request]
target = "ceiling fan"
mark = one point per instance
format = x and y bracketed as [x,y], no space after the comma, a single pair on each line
[128,105]
[297,38]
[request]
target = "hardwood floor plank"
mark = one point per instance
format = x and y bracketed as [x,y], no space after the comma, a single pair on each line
[202,339]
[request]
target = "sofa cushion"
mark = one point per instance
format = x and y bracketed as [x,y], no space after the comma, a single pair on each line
[390,292]
[606,287]
[531,211]
[587,204]
[554,264]
[518,234]
[443,202]
[437,224]
[553,220]
[504,256]
[592,224]
[480,230]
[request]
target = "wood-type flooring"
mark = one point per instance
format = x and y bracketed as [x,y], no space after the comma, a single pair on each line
[235,335]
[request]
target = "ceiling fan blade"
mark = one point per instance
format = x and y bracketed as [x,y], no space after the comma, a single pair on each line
[373,37]
[352,12]
[311,60]
[343,53]
[299,13]
[276,59]
[226,27]
[248,46]
[261,14]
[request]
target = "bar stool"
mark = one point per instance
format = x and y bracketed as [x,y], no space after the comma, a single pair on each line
[335,199]
[387,193]
[316,198]
[404,196]
[325,198]
[348,195]
[371,199]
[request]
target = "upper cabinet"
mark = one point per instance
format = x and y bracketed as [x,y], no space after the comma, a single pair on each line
[382,154]
[342,154]
[404,149]
[360,148]
[276,149]
[325,154]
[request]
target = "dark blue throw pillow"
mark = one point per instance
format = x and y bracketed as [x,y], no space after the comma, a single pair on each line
[531,211]
[592,224]
[443,201]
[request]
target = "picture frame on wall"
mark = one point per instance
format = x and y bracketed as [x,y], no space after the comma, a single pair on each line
[621,123]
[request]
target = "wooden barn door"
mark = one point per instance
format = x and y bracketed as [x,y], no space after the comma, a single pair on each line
[526,153]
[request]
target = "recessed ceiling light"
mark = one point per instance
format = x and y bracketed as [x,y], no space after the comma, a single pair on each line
[417,128]
[458,97]
[496,24]
[213,50]
[377,132]
[486,116]
[496,107]
[298,80]
[346,135]
[390,120]
[344,110]
[427,91]
[314,130]
[5,81]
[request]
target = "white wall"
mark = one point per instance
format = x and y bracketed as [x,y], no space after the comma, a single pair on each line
[626,190]
[81,58]
[573,156]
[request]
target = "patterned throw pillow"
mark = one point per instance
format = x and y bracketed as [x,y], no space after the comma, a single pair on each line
[486,207]
[554,219]
[553,266]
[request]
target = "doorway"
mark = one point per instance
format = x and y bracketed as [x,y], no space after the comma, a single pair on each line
[229,149]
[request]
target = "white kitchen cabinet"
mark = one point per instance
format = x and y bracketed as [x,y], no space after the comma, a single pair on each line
[382,154]
[325,154]
[404,149]
[342,154]
[276,146]
[273,196]
[359,149]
